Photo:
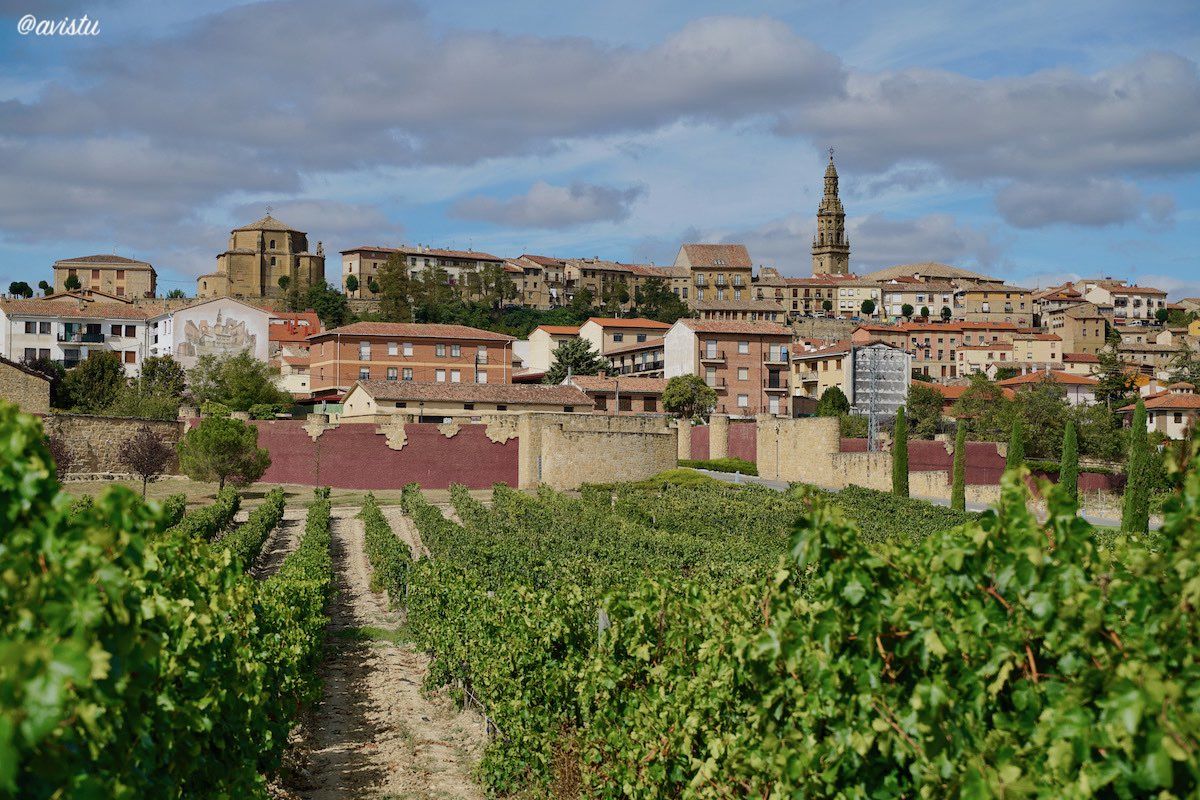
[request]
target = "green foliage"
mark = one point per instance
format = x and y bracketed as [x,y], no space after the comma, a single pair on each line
[654,300]
[284,281]
[351,283]
[1116,385]
[20,289]
[55,371]
[239,382]
[267,410]
[853,426]
[246,541]
[689,397]
[923,411]
[1135,510]
[984,409]
[93,385]
[162,375]
[211,408]
[331,306]
[925,312]
[833,403]
[958,488]
[1068,473]
[722,465]
[173,509]
[827,306]
[176,294]
[947,314]
[577,357]
[207,522]
[223,449]
[867,307]
[1185,365]
[135,663]
[1016,446]
[900,455]
[389,558]
[46,288]
[72,283]
[906,310]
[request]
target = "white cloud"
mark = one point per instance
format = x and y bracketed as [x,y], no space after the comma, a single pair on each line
[548,206]
[1091,202]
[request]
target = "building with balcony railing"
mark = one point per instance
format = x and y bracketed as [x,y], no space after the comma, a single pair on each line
[746,362]
[69,328]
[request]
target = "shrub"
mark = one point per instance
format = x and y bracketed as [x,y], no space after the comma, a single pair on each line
[247,540]
[390,559]
[722,465]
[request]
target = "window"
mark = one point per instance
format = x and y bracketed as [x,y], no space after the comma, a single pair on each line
[601,402]
[481,377]
[130,356]
[364,373]
[618,337]
[1178,417]
[455,376]
[440,350]
[272,247]
[468,406]
[120,291]
[650,404]
[44,352]
[481,356]
[116,330]
[406,374]
[120,274]
[710,348]
[408,349]
[502,407]
[30,353]
[743,401]
[391,373]
[364,351]
[455,351]
[95,274]
[393,349]
[31,327]
[625,403]
[43,327]
[710,376]
[568,409]
[743,348]
[272,261]
[641,337]
[743,373]
[130,330]
[439,375]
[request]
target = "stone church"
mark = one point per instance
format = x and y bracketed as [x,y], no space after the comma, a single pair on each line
[831,246]
[259,255]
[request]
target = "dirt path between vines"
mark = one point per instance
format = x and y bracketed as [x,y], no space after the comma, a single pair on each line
[282,541]
[373,734]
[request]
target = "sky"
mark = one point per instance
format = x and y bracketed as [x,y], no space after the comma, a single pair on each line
[1036,141]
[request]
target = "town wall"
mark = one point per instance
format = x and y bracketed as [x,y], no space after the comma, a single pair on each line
[30,393]
[568,450]
[700,437]
[94,442]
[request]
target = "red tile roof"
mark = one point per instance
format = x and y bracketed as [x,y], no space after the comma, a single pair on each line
[515,393]
[735,326]
[474,255]
[61,308]
[559,330]
[955,392]
[414,330]
[1065,378]
[633,385]
[1169,401]
[629,322]
[705,256]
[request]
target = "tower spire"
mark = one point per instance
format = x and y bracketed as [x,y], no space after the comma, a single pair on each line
[831,246]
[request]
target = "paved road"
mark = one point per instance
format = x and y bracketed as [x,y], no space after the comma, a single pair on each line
[780,486]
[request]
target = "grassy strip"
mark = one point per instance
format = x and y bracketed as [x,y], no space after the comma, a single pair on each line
[722,465]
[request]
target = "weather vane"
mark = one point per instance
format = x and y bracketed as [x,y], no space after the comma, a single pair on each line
[270,209]
[831,154]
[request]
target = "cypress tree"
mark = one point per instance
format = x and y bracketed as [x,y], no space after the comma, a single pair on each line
[900,455]
[958,493]
[1016,446]
[1135,513]
[1068,470]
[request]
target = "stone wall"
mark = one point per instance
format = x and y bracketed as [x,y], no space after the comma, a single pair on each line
[94,442]
[568,450]
[30,393]
[823,328]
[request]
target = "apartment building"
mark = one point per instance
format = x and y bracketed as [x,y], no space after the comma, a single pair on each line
[934,345]
[1130,303]
[644,359]
[1149,357]
[741,310]
[918,293]
[1172,413]
[543,340]
[542,283]
[220,327]
[614,284]
[605,333]
[412,352]
[874,376]
[1053,299]
[614,394]
[112,274]
[364,264]
[288,346]
[989,302]
[367,400]
[1079,390]
[716,271]
[747,363]
[1082,327]
[69,330]
[818,296]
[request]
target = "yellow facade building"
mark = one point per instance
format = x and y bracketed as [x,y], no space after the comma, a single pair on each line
[259,257]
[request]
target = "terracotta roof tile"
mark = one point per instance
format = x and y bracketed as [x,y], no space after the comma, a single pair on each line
[705,256]
[1064,378]
[1169,401]
[515,393]
[415,330]
[59,308]
[735,326]
[633,385]
[559,330]
[629,322]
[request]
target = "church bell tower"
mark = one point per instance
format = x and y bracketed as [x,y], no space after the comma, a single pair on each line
[831,246]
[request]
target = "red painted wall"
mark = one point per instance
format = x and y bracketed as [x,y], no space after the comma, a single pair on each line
[700,442]
[356,457]
[743,441]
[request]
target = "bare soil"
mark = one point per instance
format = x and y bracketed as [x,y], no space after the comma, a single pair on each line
[374,734]
[282,541]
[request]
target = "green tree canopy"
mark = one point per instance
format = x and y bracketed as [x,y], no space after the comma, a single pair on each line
[162,375]
[238,382]
[1135,510]
[923,410]
[900,455]
[176,294]
[93,385]
[958,487]
[689,397]
[223,449]
[1185,366]
[925,312]
[984,409]
[71,283]
[582,302]
[1068,470]
[867,307]
[1016,445]
[20,289]
[331,306]
[906,310]
[351,283]
[577,356]
[1117,384]
[656,301]
[833,403]
[45,287]
[946,313]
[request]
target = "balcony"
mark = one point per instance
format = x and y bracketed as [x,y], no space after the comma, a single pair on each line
[770,385]
[80,337]
[712,356]
[779,357]
[717,383]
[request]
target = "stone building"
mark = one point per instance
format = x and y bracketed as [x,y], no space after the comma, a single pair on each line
[259,255]
[831,245]
[26,388]
[115,275]
[440,402]
[364,263]
[716,271]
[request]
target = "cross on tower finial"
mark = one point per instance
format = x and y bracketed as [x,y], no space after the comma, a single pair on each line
[831,154]
[270,209]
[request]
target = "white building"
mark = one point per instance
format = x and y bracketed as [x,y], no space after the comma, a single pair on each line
[220,327]
[68,328]
[1130,304]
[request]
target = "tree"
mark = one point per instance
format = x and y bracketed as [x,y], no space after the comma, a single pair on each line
[923,410]
[833,403]
[689,397]
[576,356]
[45,287]
[925,312]
[176,294]
[946,313]
[162,375]
[331,305]
[1162,315]
[92,386]
[582,302]
[656,301]
[1116,381]
[958,489]
[372,285]
[1068,468]
[71,284]
[20,289]
[351,283]
[1185,366]
[906,310]
[55,371]
[395,304]
[1044,411]
[238,382]
[1135,510]
[984,409]
[223,449]
[900,455]
[827,305]
[284,282]
[1016,445]
[145,454]
[868,307]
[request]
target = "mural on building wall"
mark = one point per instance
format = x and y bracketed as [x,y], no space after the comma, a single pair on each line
[220,337]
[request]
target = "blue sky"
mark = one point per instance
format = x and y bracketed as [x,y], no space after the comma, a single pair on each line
[1032,140]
